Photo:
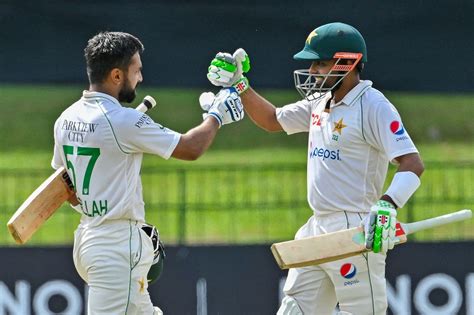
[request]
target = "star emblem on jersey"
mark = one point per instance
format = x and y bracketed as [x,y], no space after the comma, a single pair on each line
[339,126]
[141,282]
[310,36]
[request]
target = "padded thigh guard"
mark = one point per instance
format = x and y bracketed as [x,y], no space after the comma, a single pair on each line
[289,306]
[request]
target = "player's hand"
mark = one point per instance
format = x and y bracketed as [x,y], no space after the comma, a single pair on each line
[226,107]
[227,70]
[380,227]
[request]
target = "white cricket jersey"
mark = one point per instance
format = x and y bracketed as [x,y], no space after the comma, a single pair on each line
[101,144]
[348,148]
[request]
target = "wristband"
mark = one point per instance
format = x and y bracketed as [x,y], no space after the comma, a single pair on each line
[403,185]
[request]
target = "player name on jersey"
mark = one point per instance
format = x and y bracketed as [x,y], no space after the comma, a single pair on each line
[94,208]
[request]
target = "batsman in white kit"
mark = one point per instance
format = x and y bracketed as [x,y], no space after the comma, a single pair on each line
[354,132]
[101,144]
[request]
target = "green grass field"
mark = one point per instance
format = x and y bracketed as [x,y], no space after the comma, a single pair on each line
[250,186]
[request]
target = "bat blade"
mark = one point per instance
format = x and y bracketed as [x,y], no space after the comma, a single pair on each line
[318,249]
[40,205]
[322,248]
[346,243]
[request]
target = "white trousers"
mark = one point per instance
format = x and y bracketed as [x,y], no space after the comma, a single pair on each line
[114,259]
[357,283]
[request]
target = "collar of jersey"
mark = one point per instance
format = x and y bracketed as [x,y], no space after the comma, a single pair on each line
[355,93]
[94,95]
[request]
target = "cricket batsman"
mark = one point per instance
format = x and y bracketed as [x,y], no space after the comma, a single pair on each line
[101,144]
[354,132]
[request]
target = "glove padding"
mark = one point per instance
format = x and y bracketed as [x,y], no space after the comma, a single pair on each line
[380,227]
[226,107]
[227,70]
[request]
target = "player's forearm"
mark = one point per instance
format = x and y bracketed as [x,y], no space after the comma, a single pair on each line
[261,111]
[196,141]
[406,180]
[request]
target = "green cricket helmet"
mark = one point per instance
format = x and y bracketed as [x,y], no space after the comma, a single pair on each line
[158,263]
[159,255]
[330,41]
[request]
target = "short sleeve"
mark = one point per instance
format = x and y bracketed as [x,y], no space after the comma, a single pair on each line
[57,161]
[138,133]
[386,131]
[295,117]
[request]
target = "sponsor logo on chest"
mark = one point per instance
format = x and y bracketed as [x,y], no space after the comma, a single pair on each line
[323,153]
[320,121]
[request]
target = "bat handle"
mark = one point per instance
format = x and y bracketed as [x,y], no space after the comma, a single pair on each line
[437,221]
[147,103]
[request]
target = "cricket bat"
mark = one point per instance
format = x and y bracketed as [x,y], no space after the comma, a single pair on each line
[49,196]
[346,243]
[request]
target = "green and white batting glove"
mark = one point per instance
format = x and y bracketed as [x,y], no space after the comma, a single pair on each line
[226,107]
[227,70]
[380,227]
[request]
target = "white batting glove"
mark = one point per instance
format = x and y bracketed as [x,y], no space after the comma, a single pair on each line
[380,227]
[226,107]
[206,99]
[227,70]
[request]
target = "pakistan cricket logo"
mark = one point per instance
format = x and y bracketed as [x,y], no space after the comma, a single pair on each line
[338,126]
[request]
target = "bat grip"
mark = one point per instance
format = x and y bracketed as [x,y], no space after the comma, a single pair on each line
[147,103]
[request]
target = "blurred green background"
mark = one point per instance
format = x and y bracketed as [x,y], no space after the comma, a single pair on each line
[29,112]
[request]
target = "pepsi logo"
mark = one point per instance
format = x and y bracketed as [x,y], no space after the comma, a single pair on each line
[397,128]
[348,270]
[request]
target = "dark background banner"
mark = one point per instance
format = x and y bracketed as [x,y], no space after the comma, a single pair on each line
[412,45]
[423,278]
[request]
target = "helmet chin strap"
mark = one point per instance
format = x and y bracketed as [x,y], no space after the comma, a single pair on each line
[327,108]
[337,87]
